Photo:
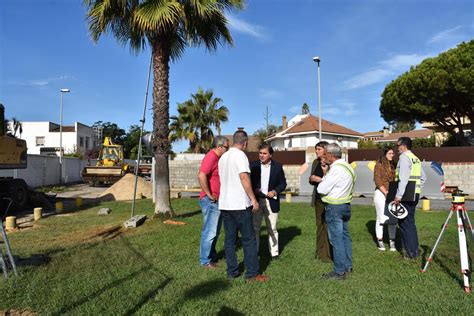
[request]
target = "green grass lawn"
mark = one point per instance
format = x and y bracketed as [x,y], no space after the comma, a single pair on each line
[85,264]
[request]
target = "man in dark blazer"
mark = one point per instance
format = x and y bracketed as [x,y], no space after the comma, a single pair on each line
[268,181]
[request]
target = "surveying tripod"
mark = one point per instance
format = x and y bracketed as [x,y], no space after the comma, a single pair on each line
[464,222]
[9,260]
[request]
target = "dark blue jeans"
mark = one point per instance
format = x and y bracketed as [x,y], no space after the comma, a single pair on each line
[337,220]
[408,230]
[235,221]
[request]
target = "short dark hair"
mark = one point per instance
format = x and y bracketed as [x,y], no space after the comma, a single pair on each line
[323,144]
[267,146]
[405,141]
[240,137]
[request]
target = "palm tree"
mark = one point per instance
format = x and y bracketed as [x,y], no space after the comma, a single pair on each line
[168,27]
[17,127]
[195,119]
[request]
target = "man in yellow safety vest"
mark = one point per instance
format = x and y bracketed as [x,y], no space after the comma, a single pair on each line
[408,170]
[336,189]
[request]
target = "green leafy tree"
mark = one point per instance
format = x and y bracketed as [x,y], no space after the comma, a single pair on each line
[195,119]
[400,127]
[366,144]
[263,133]
[168,27]
[111,130]
[131,142]
[439,90]
[305,109]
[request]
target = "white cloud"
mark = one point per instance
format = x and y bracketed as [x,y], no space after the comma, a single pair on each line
[403,61]
[270,94]
[244,27]
[446,35]
[341,108]
[367,78]
[39,82]
[384,70]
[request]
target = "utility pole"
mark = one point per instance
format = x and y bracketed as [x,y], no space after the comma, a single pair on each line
[267,119]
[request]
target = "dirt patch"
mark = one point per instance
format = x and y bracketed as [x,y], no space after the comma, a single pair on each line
[123,189]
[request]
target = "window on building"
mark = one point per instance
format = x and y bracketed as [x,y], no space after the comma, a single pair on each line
[40,141]
[87,142]
[303,142]
[81,141]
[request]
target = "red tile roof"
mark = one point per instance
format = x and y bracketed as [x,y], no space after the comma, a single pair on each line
[311,124]
[418,133]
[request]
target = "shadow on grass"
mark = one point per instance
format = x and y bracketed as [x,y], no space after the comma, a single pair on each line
[146,269]
[206,289]
[190,214]
[200,291]
[441,260]
[224,311]
[285,236]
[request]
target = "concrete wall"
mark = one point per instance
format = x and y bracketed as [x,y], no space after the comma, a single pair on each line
[460,175]
[184,173]
[44,171]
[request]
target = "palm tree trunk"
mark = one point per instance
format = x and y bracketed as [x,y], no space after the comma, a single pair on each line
[161,142]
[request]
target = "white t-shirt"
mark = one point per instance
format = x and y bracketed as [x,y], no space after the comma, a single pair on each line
[231,165]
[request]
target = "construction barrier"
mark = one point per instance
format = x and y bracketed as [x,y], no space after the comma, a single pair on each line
[365,185]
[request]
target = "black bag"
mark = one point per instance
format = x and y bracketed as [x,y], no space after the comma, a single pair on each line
[408,196]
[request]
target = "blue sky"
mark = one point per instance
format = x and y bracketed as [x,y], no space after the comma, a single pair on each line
[363,45]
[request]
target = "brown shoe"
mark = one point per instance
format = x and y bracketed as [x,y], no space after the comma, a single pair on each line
[210,266]
[258,278]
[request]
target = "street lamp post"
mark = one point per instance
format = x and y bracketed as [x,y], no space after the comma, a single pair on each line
[318,60]
[61,135]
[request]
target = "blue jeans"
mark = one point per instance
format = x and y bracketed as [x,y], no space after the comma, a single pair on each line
[235,221]
[210,230]
[337,220]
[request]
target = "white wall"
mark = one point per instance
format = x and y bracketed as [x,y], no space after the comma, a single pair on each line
[44,170]
[70,140]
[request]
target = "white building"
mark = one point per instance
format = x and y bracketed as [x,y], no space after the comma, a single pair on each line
[302,132]
[43,138]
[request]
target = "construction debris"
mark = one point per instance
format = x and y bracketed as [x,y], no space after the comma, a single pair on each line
[104,211]
[123,189]
[135,221]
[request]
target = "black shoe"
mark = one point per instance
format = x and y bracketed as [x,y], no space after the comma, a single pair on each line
[233,277]
[334,276]
[277,257]
[350,270]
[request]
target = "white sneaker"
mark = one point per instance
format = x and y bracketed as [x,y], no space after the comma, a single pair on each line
[392,245]
[380,245]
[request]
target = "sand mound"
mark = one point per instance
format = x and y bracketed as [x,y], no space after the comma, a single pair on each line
[122,190]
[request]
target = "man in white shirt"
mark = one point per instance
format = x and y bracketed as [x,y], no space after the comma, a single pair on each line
[237,202]
[336,187]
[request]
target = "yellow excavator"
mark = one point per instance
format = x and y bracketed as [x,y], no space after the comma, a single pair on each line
[12,156]
[110,166]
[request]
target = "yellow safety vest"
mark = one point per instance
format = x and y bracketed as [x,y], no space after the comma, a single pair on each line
[343,199]
[415,174]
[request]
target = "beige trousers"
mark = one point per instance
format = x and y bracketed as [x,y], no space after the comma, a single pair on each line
[271,220]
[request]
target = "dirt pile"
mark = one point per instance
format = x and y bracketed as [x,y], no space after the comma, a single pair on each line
[123,189]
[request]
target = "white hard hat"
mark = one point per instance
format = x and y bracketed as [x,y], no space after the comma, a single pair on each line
[397,210]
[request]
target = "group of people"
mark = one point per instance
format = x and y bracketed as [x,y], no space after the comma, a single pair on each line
[240,195]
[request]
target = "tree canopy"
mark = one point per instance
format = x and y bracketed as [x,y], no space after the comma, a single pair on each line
[195,119]
[111,130]
[439,90]
[168,27]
